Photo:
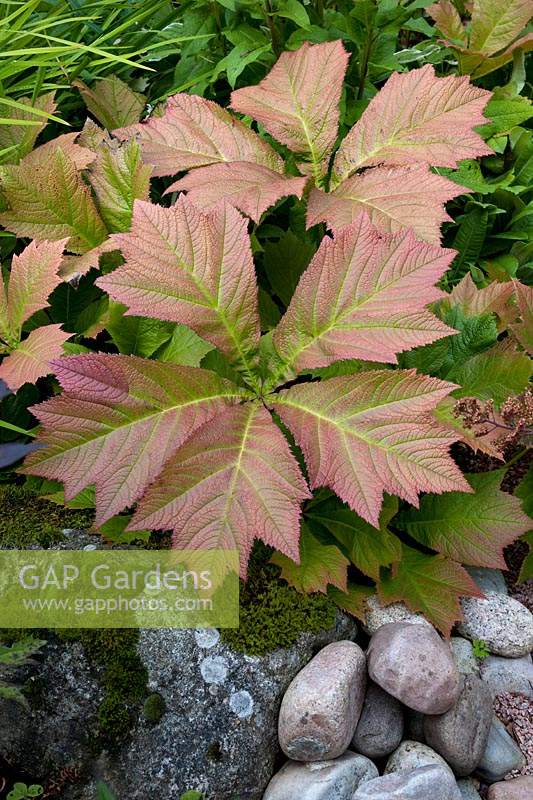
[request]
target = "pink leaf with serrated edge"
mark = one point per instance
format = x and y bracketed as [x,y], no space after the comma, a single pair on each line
[33,276]
[80,156]
[33,357]
[448,20]
[370,433]
[363,296]
[495,24]
[251,188]
[118,421]
[194,132]
[473,301]
[416,117]
[298,101]
[395,199]
[112,102]
[234,482]
[189,267]
[524,329]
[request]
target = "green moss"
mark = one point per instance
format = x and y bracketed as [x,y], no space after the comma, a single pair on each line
[26,519]
[154,708]
[124,678]
[272,614]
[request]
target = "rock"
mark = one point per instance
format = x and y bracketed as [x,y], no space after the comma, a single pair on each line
[504,624]
[378,615]
[415,665]
[322,705]
[508,674]
[461,734]
[380,727]
[414,725]
[463,656]
[218,738]
[468,789]
[413,755]
[336,779]
[488,580]
[502,755]
[433,782]
[517,789]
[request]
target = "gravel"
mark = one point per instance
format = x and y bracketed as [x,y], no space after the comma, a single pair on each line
[516,713]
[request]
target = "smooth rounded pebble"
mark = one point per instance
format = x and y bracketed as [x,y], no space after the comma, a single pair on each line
[502,754]
[463,656]
[415,665]
[488,580]
[468,789]
[322,706]
[378,615]
[336,779]
[517,789]
[380,727]
[413,755]
[461,734]
[504,624]
[435,783]
[508,674]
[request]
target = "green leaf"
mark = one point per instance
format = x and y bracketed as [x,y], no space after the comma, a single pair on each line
[184,347]
[112,102]
[293,10]
[353,600]
[321,563]
[432,585]
[470,528]
[114,530]
[285,261]
[471,235]
[136,336]
[505,113]
[495,374]
[368,548]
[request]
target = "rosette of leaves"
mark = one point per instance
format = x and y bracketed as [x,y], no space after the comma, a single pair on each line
[494,32]
[209,453]
[381,167]
[13,656]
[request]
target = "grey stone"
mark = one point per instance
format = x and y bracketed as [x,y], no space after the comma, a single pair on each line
[424,783]
[502,754]
[378,615]
[517,789]
[463,656]
[508,674]
[336,779]
[412,755]
[468,789]
[323,703]
[380,727]
[504,624]
[461,734]
[489,580]
[414,664]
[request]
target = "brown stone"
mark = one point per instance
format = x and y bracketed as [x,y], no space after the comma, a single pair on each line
[322,705]
[517,789]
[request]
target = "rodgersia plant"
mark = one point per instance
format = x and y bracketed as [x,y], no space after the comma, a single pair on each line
[306,435]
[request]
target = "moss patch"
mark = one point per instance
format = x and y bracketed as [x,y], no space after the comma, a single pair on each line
[154,708]
[272,614]
[26,519]
[124,681]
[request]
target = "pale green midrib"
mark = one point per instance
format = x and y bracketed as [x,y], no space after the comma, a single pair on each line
[346,432]
[131,422]
[238,461]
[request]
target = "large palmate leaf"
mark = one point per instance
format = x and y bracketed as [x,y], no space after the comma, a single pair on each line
[430,584]
[473,301]
[18,139]
[415,118]
[194,132]
[235,481]
[33,357]
[118,178]
[523,330]
[363,296]
[367,547]
[112,102]
[118,421]
[34,275]
[252,188]
[495,25]
[402,197]
[48,200]
[495,374]
[298,101]
[321,564]
[470,528]
[193,268]
[370,433]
